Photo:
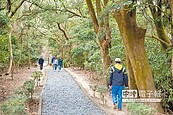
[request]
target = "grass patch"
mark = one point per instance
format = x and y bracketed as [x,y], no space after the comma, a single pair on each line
[140,109]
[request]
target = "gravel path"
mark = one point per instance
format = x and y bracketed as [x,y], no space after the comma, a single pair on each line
[63,96]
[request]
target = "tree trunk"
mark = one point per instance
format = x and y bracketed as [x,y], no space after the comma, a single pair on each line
[70,54]
[161,33]
[171,4]
[104,44]
[157,16]
[21,49]
[106,59]
[11,51]
[132,81]
[99,25]
[29,54]
[133,39]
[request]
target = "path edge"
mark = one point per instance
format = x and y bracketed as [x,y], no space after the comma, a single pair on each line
[83,89]
[41,94]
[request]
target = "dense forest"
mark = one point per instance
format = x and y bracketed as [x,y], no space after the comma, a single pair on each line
[90,34]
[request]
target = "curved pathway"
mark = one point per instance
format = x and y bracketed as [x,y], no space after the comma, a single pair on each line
[63,96]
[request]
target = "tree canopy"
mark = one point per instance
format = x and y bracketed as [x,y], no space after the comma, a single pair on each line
[90,34]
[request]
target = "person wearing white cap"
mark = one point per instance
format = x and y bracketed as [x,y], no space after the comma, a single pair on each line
[118,79]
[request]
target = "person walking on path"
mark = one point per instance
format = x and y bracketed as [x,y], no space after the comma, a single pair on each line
[40,62]
[60,62]
[118,79]
[55,63]
[52,59]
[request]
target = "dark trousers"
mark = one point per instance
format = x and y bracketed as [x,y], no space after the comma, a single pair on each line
[55,66]
[41,66]
[60,66]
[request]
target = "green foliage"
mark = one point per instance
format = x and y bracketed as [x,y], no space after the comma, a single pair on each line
[14,106]
[4,52]
[53,46]
[37,75]
[117,49]
[160,62]
[16,47]
[120,6]
[53,18]
[94,62]
[22,92]
[86,54]
[35,50]
[101,33]
[102,89]
[29,86]
[106,10]
[140,109]
[78,55]
[3,20]
[84,31]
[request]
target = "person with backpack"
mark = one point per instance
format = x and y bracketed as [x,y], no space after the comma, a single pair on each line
[118,80]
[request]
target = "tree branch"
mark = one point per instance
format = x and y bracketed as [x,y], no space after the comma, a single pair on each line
[39,6]
[93,15]
[81,13]
[15,10]
[98,7]
[9,6]
[56,9]
[75,14]
[160,40]
[65,34]
[2,8]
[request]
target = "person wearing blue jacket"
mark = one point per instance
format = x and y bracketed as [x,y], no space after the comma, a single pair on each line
[118,80]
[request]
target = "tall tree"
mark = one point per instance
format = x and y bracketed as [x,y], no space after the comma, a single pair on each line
[102,29]
[11,9]
[171,6]
[133,38]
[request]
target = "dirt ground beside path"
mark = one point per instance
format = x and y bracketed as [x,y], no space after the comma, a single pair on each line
[8,87]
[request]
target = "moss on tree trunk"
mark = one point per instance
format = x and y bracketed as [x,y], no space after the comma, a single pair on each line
[133,39]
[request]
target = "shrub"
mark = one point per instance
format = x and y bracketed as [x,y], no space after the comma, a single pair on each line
[140,109]
[29,86]
[37,75]
[14,106]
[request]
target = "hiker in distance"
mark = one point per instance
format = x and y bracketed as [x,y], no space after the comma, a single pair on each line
[52,60]
[60,63]
[40,62]
[55,63]
[118,80]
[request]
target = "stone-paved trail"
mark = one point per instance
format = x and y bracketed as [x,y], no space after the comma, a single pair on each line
[63,96]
